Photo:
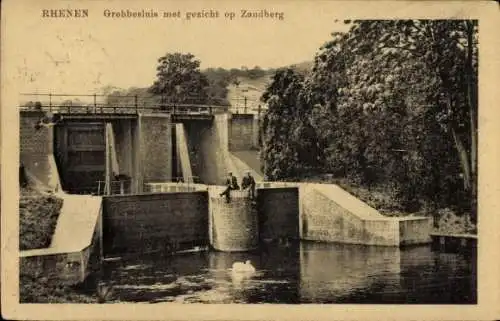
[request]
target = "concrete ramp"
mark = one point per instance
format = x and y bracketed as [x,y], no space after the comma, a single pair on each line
[251,158]
[183,153]
[239,168]
[76,223]
[330,214]
[348,201]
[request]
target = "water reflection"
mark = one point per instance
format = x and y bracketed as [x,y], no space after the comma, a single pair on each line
[298,273]
[331,271]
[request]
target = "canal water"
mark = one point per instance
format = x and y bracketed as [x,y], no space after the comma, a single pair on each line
[297,273]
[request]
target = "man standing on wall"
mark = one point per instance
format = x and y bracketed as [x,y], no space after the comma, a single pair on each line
[231,184]
[249,182]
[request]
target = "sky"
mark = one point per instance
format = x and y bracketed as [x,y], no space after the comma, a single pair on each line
[82,55]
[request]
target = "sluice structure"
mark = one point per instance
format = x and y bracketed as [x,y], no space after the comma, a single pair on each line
[153,158]
[234,224]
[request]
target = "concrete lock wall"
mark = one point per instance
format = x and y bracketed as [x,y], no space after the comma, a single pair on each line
[155,141]
[241,132]
[415,230]
[278,213]
[182,154]
[324,219]
[64,267]
[196,133]
[328,213]
[36,151]
[233,225]
[123,130]
[208,151]
[154,222]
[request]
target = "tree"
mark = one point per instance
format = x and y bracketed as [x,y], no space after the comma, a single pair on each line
[218,80]
[288,137]
[447,51]
[256,73]
[180,80]
[391,103]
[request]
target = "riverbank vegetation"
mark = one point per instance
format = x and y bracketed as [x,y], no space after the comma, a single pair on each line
[389,109]
[38,214]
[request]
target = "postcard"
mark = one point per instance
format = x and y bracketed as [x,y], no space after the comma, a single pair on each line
[250,160]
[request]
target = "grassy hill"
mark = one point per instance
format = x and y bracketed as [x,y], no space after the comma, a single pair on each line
[303,67]
[253,88]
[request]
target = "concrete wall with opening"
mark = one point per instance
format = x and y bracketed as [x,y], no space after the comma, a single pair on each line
[136,224]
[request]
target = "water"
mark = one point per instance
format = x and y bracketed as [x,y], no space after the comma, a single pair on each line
[298,273]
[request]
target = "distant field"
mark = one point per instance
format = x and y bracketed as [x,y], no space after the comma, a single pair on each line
[250,88]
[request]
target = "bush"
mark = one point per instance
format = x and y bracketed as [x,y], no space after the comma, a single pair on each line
[450,222]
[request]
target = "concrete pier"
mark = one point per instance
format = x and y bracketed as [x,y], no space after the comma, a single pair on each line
[234,225]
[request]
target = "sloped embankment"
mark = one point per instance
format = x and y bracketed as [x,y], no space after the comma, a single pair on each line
[38,214]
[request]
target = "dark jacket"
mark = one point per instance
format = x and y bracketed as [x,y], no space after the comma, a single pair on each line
[232,183]
[248,181]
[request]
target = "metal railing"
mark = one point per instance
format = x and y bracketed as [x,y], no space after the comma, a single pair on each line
[190,179]
[116,187]
[175,185]
[111,104]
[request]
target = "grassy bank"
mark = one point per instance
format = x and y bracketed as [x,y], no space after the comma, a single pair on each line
[38,215]
[385,201]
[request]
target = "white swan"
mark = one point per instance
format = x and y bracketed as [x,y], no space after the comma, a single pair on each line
[247,267]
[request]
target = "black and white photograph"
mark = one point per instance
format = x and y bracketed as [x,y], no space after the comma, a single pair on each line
[255,154]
